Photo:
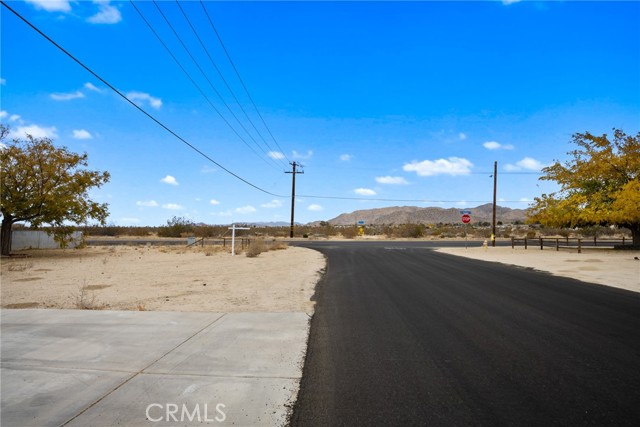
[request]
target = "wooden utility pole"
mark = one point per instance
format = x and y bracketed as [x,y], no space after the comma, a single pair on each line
[293,193]
[495,184]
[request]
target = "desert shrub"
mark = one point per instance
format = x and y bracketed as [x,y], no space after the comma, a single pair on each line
[176,227]
[349,232]
[409,230]
[482,232]
[85,299]
[255,248]
[210,230]
[278,246]
[137,231]
[23,266]
[114,230]
[531,234]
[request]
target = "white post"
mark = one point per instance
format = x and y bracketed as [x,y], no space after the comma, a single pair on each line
[233,239]
[233,229]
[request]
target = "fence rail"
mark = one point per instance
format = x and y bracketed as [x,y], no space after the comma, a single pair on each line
[241,242]
[568,242]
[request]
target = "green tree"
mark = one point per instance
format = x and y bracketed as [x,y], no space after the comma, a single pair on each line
[599,185]
[177,226]
[45,185]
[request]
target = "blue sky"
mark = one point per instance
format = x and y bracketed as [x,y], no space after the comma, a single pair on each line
[384,103]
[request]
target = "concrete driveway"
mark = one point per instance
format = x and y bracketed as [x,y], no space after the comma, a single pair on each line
[107,368]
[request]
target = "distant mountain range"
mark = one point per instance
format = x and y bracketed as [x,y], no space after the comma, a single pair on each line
[414,215]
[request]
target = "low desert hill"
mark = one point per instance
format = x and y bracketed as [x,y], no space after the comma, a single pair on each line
[416,215]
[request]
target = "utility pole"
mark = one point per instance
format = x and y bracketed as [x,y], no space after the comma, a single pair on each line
[293,193]
[495,184]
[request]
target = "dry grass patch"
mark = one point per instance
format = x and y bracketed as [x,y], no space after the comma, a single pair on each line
[20,266]
[85,298]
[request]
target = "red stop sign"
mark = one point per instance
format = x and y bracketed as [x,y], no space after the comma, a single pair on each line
[466,218]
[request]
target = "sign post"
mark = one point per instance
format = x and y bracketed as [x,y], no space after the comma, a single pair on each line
[466,219]
[233,229]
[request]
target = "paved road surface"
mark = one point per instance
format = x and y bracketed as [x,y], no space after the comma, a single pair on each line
[404,336]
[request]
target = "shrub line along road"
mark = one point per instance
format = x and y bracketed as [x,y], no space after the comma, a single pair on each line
[405,336]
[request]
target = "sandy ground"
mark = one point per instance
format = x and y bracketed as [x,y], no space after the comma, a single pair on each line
[162,278]
[606,267]
[204,279]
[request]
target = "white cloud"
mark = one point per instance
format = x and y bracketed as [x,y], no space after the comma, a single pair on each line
[346,157]
[315,208]
[51,5]
[275,203]
[275,155]
[297,155]
[107,14]
[364,192]
[145,97]
[214,202]
[92,87]
[397,180]
[169,180]
[493,145]
[67,96]
[147,203]
[246,209]
[207,169]
[3,81]
[451,166]
[527,163]
[35,131]
[172,206]
[12,117]
[82,134]
[508,2]
[462,136]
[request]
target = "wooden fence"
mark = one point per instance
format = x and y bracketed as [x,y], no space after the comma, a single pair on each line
[226,241]
[568,242]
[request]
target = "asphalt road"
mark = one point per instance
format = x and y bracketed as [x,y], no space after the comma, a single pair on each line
[404,336]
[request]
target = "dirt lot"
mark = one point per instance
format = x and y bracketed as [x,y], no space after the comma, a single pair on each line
[162,278]
[620,269]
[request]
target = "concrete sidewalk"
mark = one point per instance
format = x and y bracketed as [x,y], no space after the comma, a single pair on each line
[107,368]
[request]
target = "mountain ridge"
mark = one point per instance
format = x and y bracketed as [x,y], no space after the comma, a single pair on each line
[395,215]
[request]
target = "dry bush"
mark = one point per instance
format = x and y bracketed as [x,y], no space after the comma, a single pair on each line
[23,266]
[278,246]
[85,299]
[349,232]
[255,249]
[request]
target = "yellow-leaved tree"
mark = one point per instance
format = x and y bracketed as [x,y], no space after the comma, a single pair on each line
[599,185]
[45,185]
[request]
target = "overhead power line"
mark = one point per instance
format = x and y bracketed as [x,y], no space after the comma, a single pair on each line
[242,81]
[204,155]
[204,47]
[142,110]
[375,199]
[195,84]
[184,46]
